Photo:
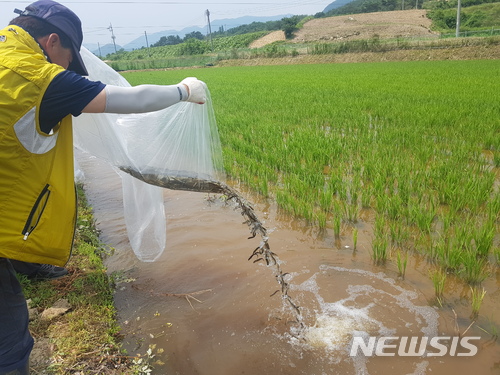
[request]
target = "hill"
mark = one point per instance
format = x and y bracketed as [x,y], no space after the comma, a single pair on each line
[402,23]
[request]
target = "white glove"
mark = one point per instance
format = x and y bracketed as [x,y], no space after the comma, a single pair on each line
[196,90]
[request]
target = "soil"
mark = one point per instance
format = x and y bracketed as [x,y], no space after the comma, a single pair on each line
[272,37]
[402,23]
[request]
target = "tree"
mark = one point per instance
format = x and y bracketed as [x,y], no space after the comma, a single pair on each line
[168,41]
[194,35]
[289,26]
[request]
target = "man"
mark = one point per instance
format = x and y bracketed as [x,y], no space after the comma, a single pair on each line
[41,86]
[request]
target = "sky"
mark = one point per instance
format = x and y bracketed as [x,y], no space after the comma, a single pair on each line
[132,19]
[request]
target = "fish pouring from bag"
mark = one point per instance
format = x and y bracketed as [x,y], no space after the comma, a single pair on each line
[188,181]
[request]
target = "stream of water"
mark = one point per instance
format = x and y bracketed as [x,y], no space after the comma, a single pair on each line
[205,309]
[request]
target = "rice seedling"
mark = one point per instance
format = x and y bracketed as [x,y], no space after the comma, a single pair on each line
[366,197]
[379,250]
[380,225]
[351,212]
[402,262]
[337,221]
[475,269]
[422,213]
[477,297]
[399,234]
[321,219]
[438,278]
[355,238]
[483,238]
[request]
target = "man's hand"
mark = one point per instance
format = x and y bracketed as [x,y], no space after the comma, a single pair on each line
[196,90]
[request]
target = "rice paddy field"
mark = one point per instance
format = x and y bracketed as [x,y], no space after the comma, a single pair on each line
[408,151]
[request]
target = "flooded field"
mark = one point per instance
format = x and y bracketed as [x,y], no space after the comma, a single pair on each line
[203,308]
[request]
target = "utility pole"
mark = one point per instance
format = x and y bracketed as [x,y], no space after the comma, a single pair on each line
[209,29]
[98,45]
[110,28]
[147,43]
[459,7]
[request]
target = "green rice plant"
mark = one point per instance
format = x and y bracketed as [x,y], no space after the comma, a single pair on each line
[477,297]
[351,212]
[394,207]
[448,218]
[326,200]
[366,197]
[337,218]
[337,221]
[483,238]
[422,213]
[321,219]
[399,233]
[438,278]
[402,262]
[380,250]
[379,228]
[475,269]
[355,238]
[445,253]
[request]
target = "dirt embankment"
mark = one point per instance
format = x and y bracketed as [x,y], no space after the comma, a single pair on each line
[272,37]
[384,25]
[400,23]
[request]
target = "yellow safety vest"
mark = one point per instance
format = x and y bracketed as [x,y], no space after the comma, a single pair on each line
[37,192]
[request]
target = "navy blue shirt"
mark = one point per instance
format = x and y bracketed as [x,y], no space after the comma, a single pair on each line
[68,93]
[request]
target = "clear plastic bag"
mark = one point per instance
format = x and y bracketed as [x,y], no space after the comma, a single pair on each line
[176,148]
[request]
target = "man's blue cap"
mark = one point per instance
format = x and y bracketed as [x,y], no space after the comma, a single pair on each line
[65,20]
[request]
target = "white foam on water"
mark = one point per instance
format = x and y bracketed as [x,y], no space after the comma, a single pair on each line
[389,310]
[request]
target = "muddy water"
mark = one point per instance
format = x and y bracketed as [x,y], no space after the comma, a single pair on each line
[206,310]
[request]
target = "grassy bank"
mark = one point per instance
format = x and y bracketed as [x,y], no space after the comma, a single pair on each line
[374,49]
[85,339]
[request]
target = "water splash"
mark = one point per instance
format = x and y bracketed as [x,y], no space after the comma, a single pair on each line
[363,304]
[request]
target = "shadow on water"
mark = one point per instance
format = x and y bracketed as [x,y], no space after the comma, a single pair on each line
[205,309]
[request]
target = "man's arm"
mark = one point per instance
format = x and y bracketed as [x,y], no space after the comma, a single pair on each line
[98,104]
[146,98]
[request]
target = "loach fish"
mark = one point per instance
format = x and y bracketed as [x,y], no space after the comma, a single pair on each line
[177,180]
[182,180]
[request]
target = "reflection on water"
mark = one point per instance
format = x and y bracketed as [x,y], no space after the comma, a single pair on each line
[207,310]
